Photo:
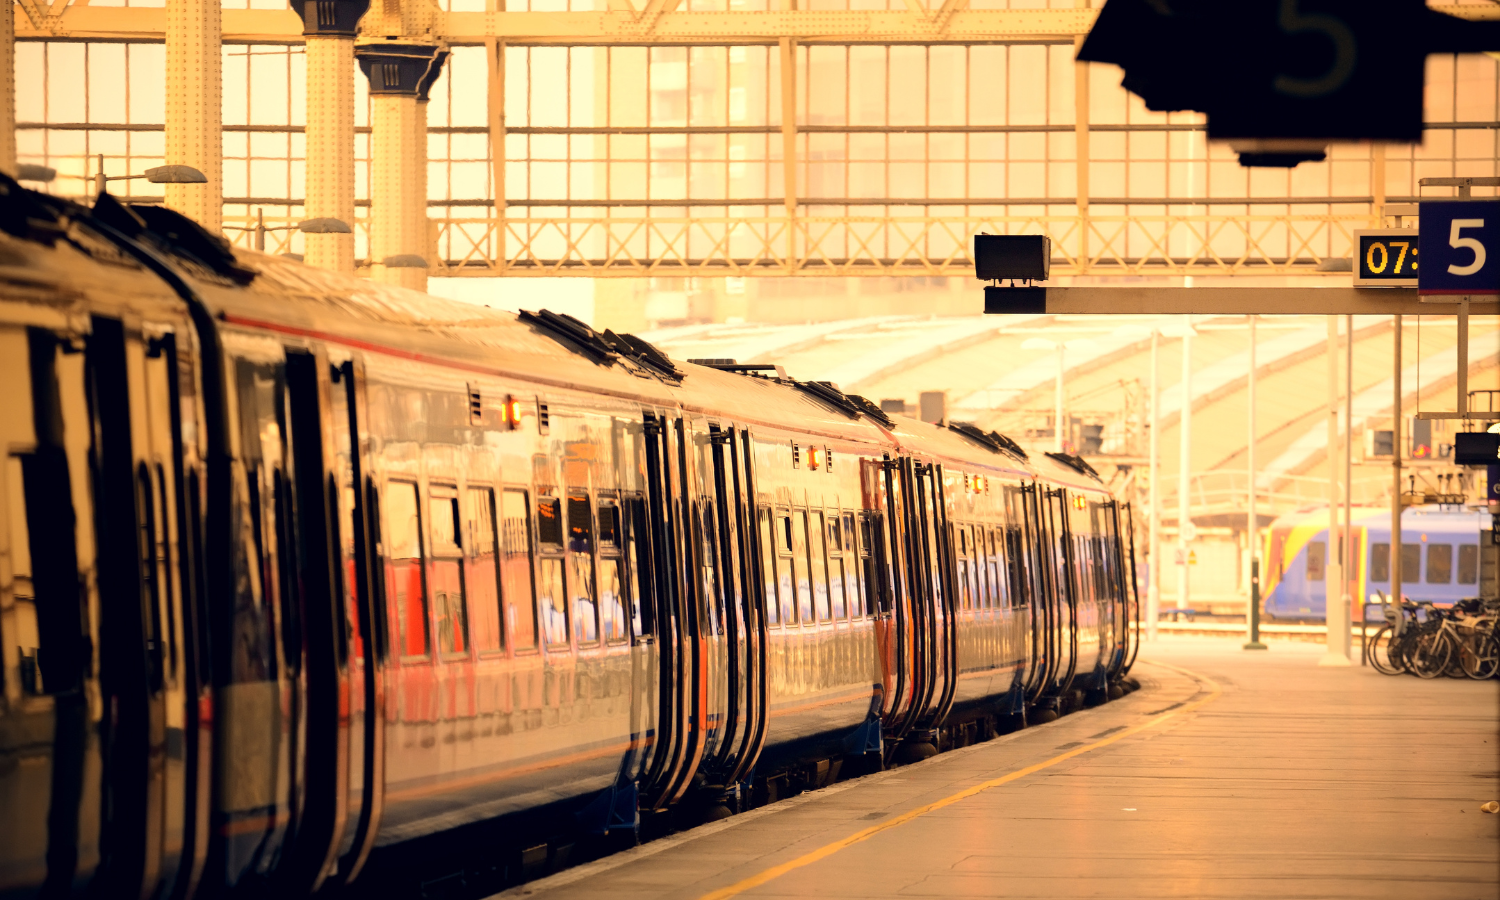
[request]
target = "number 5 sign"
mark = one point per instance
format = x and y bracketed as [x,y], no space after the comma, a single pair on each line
[1460,247]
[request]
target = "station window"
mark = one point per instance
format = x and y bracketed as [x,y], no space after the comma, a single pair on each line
[482,575]
[1468,563]
[403,529]
[1439,563]
[445,580]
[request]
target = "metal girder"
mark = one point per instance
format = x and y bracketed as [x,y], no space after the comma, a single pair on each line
[658,22]
[1238,301]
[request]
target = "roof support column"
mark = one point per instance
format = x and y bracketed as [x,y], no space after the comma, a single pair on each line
[1337,642]
[8,88]
[789,143]
[1081,148]
[397,242]
[195,113]
[421,224]
[330,126]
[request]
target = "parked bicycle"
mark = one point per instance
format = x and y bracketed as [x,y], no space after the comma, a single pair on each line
[1457,642]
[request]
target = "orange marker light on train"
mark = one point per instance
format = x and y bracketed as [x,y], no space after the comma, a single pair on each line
[512,412]
[1080,502]
[814,457]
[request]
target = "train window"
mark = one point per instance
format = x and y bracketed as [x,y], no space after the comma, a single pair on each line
[1439,563]
[965,598]
[581,567]
[1468,563]
[871,554]
[482,571]
[23,630]
[516,588]
[1317,560]
[151,575]
[1411,561]
[445,580]
[853,590]
[998,598]
[800,576]
[706,530]
[835,534]
[612,601]
[818,563]
[1380,562]
[403,550]
[768,559]
[638,560]
[614,597]
[609,523]
[549,526]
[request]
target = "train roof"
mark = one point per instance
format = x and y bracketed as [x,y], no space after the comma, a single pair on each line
[54,249]
[1377,520]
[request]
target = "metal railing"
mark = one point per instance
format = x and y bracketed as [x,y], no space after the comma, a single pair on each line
[842,246]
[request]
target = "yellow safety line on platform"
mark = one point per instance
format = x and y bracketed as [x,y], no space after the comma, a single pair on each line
[859,837]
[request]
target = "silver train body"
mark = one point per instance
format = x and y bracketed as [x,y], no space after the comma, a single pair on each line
[297,570]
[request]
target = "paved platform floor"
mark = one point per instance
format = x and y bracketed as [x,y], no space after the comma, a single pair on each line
[1230,774]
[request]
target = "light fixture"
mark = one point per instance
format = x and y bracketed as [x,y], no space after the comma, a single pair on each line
[168,174]
[512,413]
[34,172]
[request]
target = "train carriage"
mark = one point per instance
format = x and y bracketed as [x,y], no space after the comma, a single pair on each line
[308,576]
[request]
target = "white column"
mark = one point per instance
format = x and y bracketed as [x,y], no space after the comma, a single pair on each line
[1337,637]
[195,108]
[1153,588]
[1184,470]
[330,148]
[8,87]
[398,211]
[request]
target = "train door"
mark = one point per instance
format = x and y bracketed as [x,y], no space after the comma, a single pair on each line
[49,833]
[662,529]
[322,626]
[135,423]
[735,620]
[1041,591]
[1061,568]
[931,588]
[366,657]
[896,633]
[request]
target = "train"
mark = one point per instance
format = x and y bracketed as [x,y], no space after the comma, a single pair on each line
[1448,553]
[314,584]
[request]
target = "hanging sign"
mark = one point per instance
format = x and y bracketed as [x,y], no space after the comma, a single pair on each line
[1460,247]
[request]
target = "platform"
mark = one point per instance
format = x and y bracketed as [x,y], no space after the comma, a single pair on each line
[1230,774]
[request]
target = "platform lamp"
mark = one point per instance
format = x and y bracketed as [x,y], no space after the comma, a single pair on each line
[169,174]
[34,172]
[320,225]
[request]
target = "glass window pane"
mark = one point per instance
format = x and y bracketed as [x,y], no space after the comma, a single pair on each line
[482,576]
[768,559]
[581,567]
[553,602]
[404,567]
[1439,563]
[1468,563]
[1411,563]
[1380,562]
[445,571]
[549,527]
[1317,553]
[612,602]
[515,571]
[819,564]
[799,567]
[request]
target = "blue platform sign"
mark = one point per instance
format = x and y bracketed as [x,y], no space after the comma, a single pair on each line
[1460,247]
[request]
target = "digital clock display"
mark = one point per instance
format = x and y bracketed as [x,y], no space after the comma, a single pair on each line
[1386,257]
